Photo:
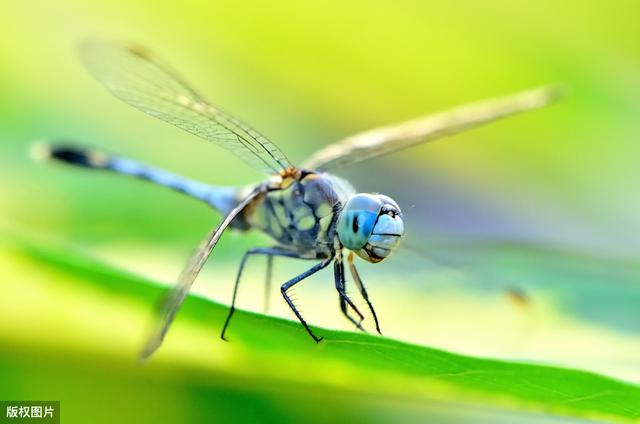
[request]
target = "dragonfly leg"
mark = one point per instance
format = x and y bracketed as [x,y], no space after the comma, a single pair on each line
[270,252]
[338,269]
[339,277]
[363,291]
[267,285]
[345,312]
[286,286]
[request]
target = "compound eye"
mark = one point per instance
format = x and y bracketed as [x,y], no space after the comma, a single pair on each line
[357,220]
[364,202]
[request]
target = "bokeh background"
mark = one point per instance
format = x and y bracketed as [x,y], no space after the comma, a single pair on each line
[523,235]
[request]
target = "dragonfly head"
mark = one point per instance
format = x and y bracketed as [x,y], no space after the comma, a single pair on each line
[371,225]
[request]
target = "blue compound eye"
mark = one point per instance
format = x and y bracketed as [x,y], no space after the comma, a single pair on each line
[357,220]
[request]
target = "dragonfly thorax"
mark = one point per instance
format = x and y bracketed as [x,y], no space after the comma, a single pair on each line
[371,225]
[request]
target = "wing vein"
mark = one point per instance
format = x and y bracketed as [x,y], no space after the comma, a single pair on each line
[139,79]
[389,139]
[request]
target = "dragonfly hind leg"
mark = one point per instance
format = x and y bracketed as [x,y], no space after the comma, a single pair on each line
[270,252]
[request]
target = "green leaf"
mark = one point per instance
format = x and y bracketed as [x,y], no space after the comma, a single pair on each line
[72,326]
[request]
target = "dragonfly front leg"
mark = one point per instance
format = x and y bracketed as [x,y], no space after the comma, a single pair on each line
[338,271]
[363,291]
[270,252]
[286,286]
[345,312]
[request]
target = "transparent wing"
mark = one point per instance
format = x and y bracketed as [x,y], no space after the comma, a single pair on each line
[174,298]
[384,140]
[138,78]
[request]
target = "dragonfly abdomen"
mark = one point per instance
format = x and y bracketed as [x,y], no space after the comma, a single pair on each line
[224,199]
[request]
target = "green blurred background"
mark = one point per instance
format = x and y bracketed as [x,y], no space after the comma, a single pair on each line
[543,205]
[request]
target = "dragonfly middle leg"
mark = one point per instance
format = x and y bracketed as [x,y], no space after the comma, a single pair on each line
[338,270]
[270,252]
[343,303]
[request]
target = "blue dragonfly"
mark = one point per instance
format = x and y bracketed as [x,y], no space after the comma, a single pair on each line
[308,212]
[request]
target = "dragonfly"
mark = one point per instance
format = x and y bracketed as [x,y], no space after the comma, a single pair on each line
[308,212]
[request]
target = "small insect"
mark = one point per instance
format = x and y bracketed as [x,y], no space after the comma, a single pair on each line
[308,212]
